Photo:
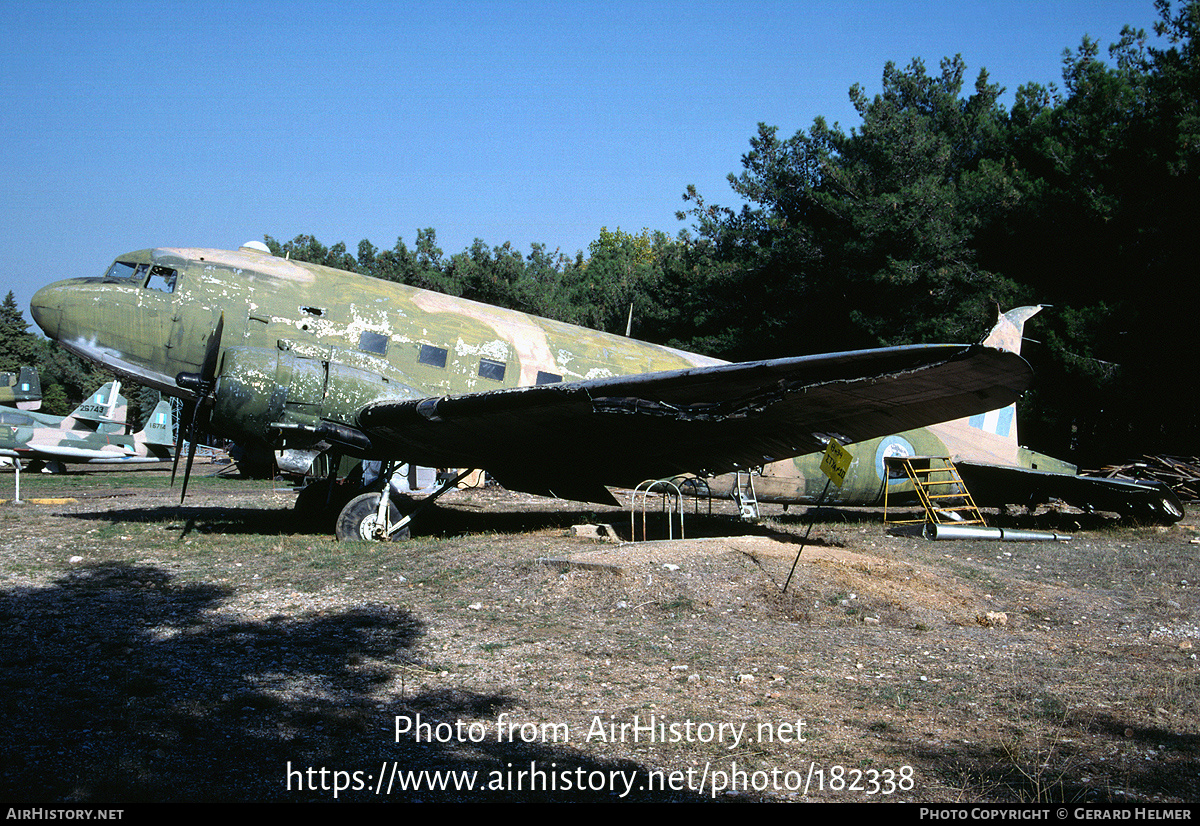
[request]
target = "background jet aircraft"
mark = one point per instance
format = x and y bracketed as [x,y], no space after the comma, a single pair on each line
[104,410]
[308,359]
[22,390]
[995,468]
[93,433]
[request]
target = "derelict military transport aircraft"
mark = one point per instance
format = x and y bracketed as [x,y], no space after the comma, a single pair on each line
[306,359]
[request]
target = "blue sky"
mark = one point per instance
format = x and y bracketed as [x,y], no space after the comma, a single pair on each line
[128,125]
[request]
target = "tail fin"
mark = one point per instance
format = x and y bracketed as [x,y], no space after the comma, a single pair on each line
[160,426]
[994,435]
[23,389]
[1010,327]
[104,410]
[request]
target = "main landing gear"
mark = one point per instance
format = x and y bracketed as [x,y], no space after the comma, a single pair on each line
[360,520]
[376,515]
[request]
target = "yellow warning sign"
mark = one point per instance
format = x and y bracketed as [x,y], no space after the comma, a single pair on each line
[836,462]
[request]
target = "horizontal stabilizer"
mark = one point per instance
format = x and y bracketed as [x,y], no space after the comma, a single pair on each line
[995,485]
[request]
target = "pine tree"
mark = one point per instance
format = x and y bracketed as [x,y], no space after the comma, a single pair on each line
[18,346]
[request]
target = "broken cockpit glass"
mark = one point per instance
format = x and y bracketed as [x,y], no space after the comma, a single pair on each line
[157,278]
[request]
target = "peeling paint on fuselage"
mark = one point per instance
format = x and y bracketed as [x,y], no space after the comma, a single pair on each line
[801,480]
[303,343]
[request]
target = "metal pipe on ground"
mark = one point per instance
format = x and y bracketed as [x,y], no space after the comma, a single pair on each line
[935,531]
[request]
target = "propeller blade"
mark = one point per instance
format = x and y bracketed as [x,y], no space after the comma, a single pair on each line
[212,352]
[202,384]
[187,470]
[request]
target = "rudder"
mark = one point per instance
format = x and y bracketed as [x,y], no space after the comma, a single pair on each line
[159,427]
[106,408]
[1010,328]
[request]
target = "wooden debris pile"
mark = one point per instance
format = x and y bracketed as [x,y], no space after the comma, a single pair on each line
[1180,473]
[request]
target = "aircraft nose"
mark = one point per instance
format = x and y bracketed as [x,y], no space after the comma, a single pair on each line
[46,308]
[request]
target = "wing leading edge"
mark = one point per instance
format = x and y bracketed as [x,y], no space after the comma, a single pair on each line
[574,438]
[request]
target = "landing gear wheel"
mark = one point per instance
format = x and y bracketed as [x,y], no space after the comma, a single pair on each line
[358,521]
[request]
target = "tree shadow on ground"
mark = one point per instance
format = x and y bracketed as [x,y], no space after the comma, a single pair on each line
[1057,771]
[122,685]
[435,521]
[1043,752]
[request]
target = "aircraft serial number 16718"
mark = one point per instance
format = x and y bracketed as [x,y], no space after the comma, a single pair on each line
[307,359]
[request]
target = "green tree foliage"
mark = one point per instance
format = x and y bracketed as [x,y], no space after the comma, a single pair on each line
[942,205]
[1107,234]
[18,347]
[911,189]
[866,238]
[540,290]
[488,275]
[55,401]
[614,288]
[422,267]
[309,249]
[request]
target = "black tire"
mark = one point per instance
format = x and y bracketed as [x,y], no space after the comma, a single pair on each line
[320,502]
[356,522]
[313,498]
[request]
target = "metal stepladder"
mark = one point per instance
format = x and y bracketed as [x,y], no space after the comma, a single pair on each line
[940,489]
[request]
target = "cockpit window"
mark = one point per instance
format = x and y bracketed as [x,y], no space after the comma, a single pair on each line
[161,279]
[157,278]
[127,272]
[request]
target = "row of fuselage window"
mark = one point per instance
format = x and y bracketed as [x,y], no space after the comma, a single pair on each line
[491,369]
[163,279]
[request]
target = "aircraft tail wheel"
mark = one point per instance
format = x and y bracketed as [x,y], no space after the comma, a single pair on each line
[358,520]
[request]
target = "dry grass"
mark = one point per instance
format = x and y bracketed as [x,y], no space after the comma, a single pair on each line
[152,653]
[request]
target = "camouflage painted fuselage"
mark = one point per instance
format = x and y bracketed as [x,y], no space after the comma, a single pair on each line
[30,442]
[22,390]
[94,433]
[989,437]
[305,344]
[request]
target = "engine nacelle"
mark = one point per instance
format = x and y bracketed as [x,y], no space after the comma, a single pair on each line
[273,395]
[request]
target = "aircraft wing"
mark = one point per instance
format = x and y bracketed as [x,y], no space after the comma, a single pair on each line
[996,485]
[571,439]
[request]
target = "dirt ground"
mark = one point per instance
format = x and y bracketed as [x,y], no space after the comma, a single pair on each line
[230,651]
